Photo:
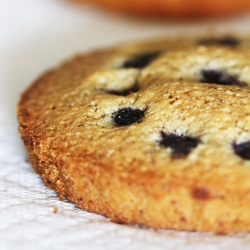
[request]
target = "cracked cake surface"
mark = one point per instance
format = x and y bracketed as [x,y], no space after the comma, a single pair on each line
[151,133]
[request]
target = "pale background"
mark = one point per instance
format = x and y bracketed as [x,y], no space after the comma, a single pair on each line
[36,35]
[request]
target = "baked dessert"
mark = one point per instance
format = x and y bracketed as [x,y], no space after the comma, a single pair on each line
[150,133]
[177,8]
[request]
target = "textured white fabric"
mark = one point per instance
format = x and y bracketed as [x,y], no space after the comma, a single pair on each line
[36,35]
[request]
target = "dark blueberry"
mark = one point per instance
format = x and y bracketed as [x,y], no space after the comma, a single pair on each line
[242,150]
[181,145]
[219,77]
[140,61]
[123,92]
[224,41]
[127,116]
[201,193]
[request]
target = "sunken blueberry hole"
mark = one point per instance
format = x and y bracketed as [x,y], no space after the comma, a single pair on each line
[123,92]
[140,61]
[242,150]
[181,145]
[127,116]
[219,77]
[224,41]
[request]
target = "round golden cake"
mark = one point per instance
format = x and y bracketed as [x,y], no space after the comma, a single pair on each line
[176,8]
[152,133]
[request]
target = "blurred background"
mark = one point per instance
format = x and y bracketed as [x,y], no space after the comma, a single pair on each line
[36,35]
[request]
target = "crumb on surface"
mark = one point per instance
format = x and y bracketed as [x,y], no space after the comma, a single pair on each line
[55,210]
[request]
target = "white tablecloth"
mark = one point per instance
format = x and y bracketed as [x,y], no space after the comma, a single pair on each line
[34,36]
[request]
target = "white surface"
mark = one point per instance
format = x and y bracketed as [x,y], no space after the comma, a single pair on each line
[34,36]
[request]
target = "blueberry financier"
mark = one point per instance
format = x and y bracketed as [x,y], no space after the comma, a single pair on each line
[155,134]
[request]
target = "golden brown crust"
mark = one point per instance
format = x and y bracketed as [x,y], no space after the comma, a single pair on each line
[177,8]
[126,172]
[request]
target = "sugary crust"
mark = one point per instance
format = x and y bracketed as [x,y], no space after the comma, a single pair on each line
[122,172]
